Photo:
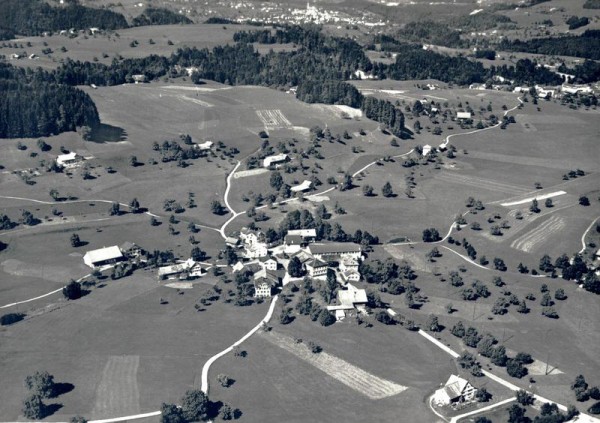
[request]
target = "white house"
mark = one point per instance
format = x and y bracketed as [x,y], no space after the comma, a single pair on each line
[131,250]
[268,263]
[351,276]
[205,146]
[139,78]
[257,250]
[251,237]
[455,390]
[426,149]
[349,264]
[297,238]
[264,281]
[276,159]
[308,234]
[463,115]
[304,186]
[103,256]
[352,297]
[68,160]
[328,250]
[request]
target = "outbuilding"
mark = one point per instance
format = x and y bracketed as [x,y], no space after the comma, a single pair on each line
[103,256]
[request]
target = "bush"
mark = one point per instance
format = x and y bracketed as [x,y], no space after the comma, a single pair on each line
[34,408]
[72,291]
[594,409]
[325,318]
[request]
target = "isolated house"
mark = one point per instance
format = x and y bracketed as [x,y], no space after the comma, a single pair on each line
[68,160]
[205,146]
[103,256]
[332,250]
[455,390]
[304,186]
[274,160]
[463,115]
[426,149]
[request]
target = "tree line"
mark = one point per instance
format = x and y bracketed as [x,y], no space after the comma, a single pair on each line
[586,45]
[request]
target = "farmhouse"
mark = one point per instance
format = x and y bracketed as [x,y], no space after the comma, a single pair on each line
[455,390]
[297,238]
[426,149]
[268,263]
[68,160]
[131,250]
[349,299]
[184,270]
[304,186]
[349,264]
[257,250]
[264,281]
[103,256]
[251,237]
[274,160]
[329,250]
[351,276]
[316,267]
[463,115]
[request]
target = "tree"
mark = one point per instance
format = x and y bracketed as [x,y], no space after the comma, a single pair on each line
[516,414]
[41,384]
[276,180]
[295,269]
[326,318]
[431,235]
[433,324]
[560,294]
[548,203]
[584,201]
[197,254]
[367,190]
[346,183]
[515,369]
[78,419]
[134,206]
[194,406]
[383,317]
[216,207]
[170,413]
[387,190]
[524,398]
[534,206]
[154,221]
[115,209]
[483,395]
[546,264]
[72,291]
[34,408]
[75,241]
[226,412]
[133,161]
[458,329]
[286,316]
[224,380]
[54,194]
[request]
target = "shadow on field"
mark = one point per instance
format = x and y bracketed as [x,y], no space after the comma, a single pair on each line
[50,409]
[214,408]
[61,388]
[107,133]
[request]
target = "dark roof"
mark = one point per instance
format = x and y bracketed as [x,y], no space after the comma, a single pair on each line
[294,239]
[334,248]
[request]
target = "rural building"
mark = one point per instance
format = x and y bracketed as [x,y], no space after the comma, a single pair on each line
[442,147]
[251,237]
[332,250]
[353,297]
[205,146]
[139,78]
[68,160]
[268,263]
[349,264]
[264,281]
[274,160]
[426,149]
[231,241]
[297,238]
[316,267]
[131,250]
[257,250]
[237,266]
[103,256]
[574,89]
[304,186]
[351,276]
[455,390]
[463,115]
[185,270]
[307,234]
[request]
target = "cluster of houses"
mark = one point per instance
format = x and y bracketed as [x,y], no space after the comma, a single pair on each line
[315,257]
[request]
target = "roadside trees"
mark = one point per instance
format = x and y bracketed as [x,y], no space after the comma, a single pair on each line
[72,291]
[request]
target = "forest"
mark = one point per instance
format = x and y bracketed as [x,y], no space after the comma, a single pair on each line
[587,45]
[32,107]
[159,16]
[33,17]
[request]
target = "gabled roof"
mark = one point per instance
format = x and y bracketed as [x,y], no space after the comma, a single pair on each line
[303,232]
[294,239]
[316,263]
[301,187]
[104,254]
[455,386]
[334,247]
[127,245]
[265,274]
[61,158]
[266,259]
[176,268]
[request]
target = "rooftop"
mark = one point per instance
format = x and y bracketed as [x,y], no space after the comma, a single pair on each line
[103,254]
[334,247]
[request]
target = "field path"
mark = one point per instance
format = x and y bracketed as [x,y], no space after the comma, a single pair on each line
[215,357]
[585,234]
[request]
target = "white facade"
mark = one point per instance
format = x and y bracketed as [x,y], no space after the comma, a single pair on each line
[103,256]
[456,389]
[273,160]
[68,160]
[262,289]
[463,115]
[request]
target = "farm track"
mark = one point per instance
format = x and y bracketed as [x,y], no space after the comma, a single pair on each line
[355,378]
[529,240]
